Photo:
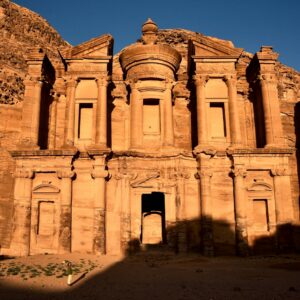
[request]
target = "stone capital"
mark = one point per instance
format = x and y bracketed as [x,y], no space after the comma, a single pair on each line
[65,173]
[72,82]
[238,172]
[200,80]
[203,174]
[230,80]
[169,84]
[99,174]
[279,171]
[179,174]
[102,81]
[267,78]
[133,83]
[180,91]
[24,173]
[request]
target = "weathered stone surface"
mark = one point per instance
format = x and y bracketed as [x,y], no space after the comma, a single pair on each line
[180,140]
[21,29]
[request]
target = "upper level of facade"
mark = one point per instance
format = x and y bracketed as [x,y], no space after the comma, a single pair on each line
[172,91]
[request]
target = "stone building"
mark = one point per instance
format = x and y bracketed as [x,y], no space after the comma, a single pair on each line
[179,140]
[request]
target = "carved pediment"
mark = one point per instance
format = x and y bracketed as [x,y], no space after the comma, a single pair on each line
[94,48]
[260,187]
[45,188]
[145,180]
[206,46]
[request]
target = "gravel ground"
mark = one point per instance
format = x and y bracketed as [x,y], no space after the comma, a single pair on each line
[153,275]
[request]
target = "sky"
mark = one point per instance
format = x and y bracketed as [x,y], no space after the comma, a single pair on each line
[248,24]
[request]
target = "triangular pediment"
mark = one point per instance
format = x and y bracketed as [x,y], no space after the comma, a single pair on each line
[205,46]
[94,48]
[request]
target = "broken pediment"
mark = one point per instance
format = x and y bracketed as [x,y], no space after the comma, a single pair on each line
[205,46]
[145,180]
[94,48]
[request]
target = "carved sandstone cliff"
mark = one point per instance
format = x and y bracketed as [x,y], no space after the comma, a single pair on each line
[20,30]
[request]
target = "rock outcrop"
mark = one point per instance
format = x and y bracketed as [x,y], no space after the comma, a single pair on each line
[20,30]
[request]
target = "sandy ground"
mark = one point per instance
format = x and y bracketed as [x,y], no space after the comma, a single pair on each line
[153,275]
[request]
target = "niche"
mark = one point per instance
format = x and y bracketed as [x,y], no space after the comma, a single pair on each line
[151,117]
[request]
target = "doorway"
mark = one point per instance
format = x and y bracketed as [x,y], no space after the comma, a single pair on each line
[153,230]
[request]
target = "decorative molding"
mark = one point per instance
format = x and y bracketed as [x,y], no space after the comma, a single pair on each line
[200,79]
[280,171]
[260,187]
[45,188]
[99,174]
[238,172]
[24,173]
[65,173]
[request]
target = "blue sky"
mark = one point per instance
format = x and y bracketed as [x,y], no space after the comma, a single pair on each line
[248,24]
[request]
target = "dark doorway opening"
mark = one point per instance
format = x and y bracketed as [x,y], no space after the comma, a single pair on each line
[153,229]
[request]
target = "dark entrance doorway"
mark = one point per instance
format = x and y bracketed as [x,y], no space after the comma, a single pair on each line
[153,228]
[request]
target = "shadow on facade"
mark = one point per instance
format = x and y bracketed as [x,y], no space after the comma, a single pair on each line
[297,133]
[183,242]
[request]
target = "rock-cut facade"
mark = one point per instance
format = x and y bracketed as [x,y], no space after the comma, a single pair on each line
[180,141]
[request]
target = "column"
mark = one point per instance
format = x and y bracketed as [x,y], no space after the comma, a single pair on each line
[37,96]
[284,209]
[267,112]
[99,243]
[65,229]
[204,175]
[20,244]
[235,132]
[101,114]
[181,219]
[200,82]
[70,112]
[125,179]
[240,206]
[53,118]
[136,118]
[169,131]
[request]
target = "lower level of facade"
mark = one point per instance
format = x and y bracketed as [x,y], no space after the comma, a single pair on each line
[231,202]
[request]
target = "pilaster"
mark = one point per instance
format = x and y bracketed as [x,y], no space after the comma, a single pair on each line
[169,127]
[200,82]
[136,117]
[70,112]
[65,227]
[235,132]
[101,114]
[99,174]
[204,175]
[240,206]
[20,244]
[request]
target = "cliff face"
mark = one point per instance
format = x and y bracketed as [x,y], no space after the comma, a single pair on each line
[20,30]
